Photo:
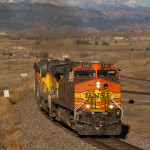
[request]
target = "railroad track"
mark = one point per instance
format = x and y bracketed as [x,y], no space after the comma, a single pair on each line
[134,78]
[142,83]
[110,143]
[134,92]
[101,142]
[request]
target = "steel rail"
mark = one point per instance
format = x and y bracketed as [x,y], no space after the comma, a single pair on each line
[135,78]
[134,92]
[110,143]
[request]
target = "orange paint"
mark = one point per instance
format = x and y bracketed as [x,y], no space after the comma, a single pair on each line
[90,84]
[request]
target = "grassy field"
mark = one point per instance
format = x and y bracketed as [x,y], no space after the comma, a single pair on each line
[128,55]
[9,120]
[135,68]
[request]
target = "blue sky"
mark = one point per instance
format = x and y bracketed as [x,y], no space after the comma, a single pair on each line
[146,1]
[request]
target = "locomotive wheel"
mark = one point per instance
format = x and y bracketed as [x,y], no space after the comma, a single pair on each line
[69,119]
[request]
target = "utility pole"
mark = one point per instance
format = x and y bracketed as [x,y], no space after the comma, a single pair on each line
[94,53]
[28,61]
[129,54]
[17,62]
[9,65]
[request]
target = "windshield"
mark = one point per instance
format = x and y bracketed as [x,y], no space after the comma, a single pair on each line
[107,73]
[84,73]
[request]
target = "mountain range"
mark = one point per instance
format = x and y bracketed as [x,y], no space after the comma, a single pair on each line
[72,14]
[87,4]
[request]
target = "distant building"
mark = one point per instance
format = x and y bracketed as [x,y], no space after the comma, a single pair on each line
[118,38]
[20,48]
[3,34]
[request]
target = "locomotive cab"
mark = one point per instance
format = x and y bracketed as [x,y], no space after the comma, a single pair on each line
[97,99]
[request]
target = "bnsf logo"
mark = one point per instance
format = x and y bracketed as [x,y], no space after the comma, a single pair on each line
[98,95]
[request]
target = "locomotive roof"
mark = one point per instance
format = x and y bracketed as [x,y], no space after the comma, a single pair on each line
[41,63]
[61,66]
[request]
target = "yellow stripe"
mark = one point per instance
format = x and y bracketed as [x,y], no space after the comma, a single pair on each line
[80,95]
[97,106]
[117,95]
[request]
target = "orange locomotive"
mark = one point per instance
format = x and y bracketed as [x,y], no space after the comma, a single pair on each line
[86,96]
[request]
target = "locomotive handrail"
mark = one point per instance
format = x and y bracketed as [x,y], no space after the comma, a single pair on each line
[118,107]
[75,110]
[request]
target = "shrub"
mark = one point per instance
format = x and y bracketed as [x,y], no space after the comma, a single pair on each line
[37,43]
[148,49]
[78,42]
[96,43]
[45,55]
[131,49]
[105,43]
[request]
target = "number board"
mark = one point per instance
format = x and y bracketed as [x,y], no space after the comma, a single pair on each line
[86,65]
[105,65]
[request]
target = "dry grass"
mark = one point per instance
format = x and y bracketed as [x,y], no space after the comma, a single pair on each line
[8,118]
[8,121]
[18,93]
[135,68]
[13,143]
[137,117]
[130,87]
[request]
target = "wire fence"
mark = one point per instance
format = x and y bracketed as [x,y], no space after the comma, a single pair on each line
[17,64]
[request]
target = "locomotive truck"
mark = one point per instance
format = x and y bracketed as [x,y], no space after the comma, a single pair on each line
[84,95]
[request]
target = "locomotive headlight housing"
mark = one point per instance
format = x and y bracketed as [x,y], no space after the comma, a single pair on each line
[98,85]
[87,106]
[105,86]
[111,106]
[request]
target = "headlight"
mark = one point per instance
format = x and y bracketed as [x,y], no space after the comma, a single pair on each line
[111,106]
[98,84]
[87,106]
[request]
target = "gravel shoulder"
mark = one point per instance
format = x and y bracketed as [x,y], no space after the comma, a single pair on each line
[38,133]
[141,101]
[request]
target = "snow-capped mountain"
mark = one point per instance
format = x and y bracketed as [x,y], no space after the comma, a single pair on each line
[87,4]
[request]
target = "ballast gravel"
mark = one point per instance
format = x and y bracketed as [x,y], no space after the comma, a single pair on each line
[138,140]
[39,133]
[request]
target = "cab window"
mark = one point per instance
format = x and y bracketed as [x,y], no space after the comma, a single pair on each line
[43,73]
[107,73]
[84,73]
